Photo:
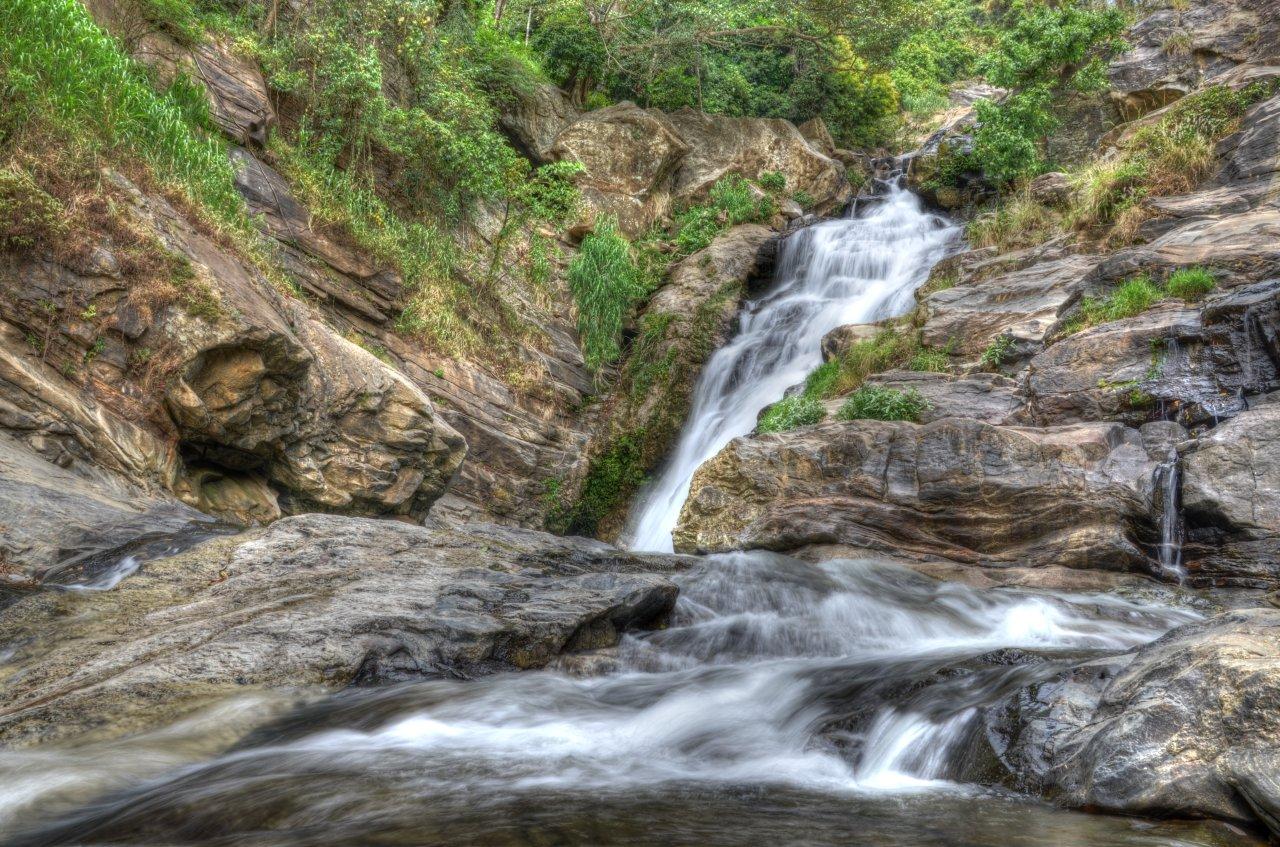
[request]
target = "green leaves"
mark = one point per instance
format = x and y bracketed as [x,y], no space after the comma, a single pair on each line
[879,403]
[605,284]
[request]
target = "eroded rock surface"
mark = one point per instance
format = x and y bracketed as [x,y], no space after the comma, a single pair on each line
[315,600]
[953,489]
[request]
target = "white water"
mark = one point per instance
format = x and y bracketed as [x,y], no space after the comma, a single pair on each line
[857,270]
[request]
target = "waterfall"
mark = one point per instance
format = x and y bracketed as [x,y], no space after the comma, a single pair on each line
[1168,478]
[855,270]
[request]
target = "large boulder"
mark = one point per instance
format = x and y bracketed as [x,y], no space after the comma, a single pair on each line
[628,155]
[750,147]
[1177,730]
[535,117]
[1231,500]
[316,600]
[954,489]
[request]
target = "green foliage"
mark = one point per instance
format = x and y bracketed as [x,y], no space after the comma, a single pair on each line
[66,81]
[804,199]
[1133,297]
[773,181]
[176,18]
[1016,222]
[998,351]
[1007,141]
[1060,45]
[930,361]
[612,478]
[792,412]
[732,201]
[28,215]
[874,402]
[1190,283]
[606,285]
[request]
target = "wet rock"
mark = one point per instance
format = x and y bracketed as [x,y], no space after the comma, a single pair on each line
[955,489]
[52,518]
[314,600]
[1231,501]
[1166,736]
[1026,303]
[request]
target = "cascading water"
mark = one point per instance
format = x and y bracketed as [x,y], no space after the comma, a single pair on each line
[856,270]
[1168,479]
[786,703]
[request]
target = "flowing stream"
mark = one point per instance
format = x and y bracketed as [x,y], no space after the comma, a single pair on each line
[852,702]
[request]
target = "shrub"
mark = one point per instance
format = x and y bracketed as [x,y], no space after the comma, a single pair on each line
[732,201]
[28,215]
[773,181]
[804,199]
[66,80]
[1190,283]
[875,402]
[1134,297]
[605,284]
[998,351]
[1018,222]
[930,361]
[790,413]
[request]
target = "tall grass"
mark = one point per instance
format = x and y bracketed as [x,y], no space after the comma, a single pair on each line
[67,80]
[606,284]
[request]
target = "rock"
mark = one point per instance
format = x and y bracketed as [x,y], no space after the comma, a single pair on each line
[313,600]
[1112,371]
[1167,736]
[954,489]
[1025,303]
[629,155]
[981,396]
[837,343]
[720,145]
[819,137]
[535,117]
[1247,244]
[238,100]
[1084,119]
[52,518]
[1174,51]
[1231,501]
[1051,189]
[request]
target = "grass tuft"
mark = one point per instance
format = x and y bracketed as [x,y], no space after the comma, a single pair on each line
[879,403]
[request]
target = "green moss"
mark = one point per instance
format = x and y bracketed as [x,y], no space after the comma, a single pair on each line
[874,402]
[614,476]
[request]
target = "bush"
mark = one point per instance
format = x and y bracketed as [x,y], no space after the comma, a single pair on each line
[1190,283]
[1007,141]
[605,284]
[773,181]
[28,215]
[874,402]
[930,361]
[790,413]
[732,201]
[1134,297]
[65,80]
[998,351]
[1016,223]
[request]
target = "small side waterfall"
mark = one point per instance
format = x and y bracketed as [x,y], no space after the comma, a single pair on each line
[1168,480]
[855,270]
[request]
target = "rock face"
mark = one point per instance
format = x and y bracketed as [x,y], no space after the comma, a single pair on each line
[1231,500]
[227,378]
[1025,302]
[981,396]
[1178,730]
[1173,51]
[314,600]
[535,119]
[955,489]
[640,163]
